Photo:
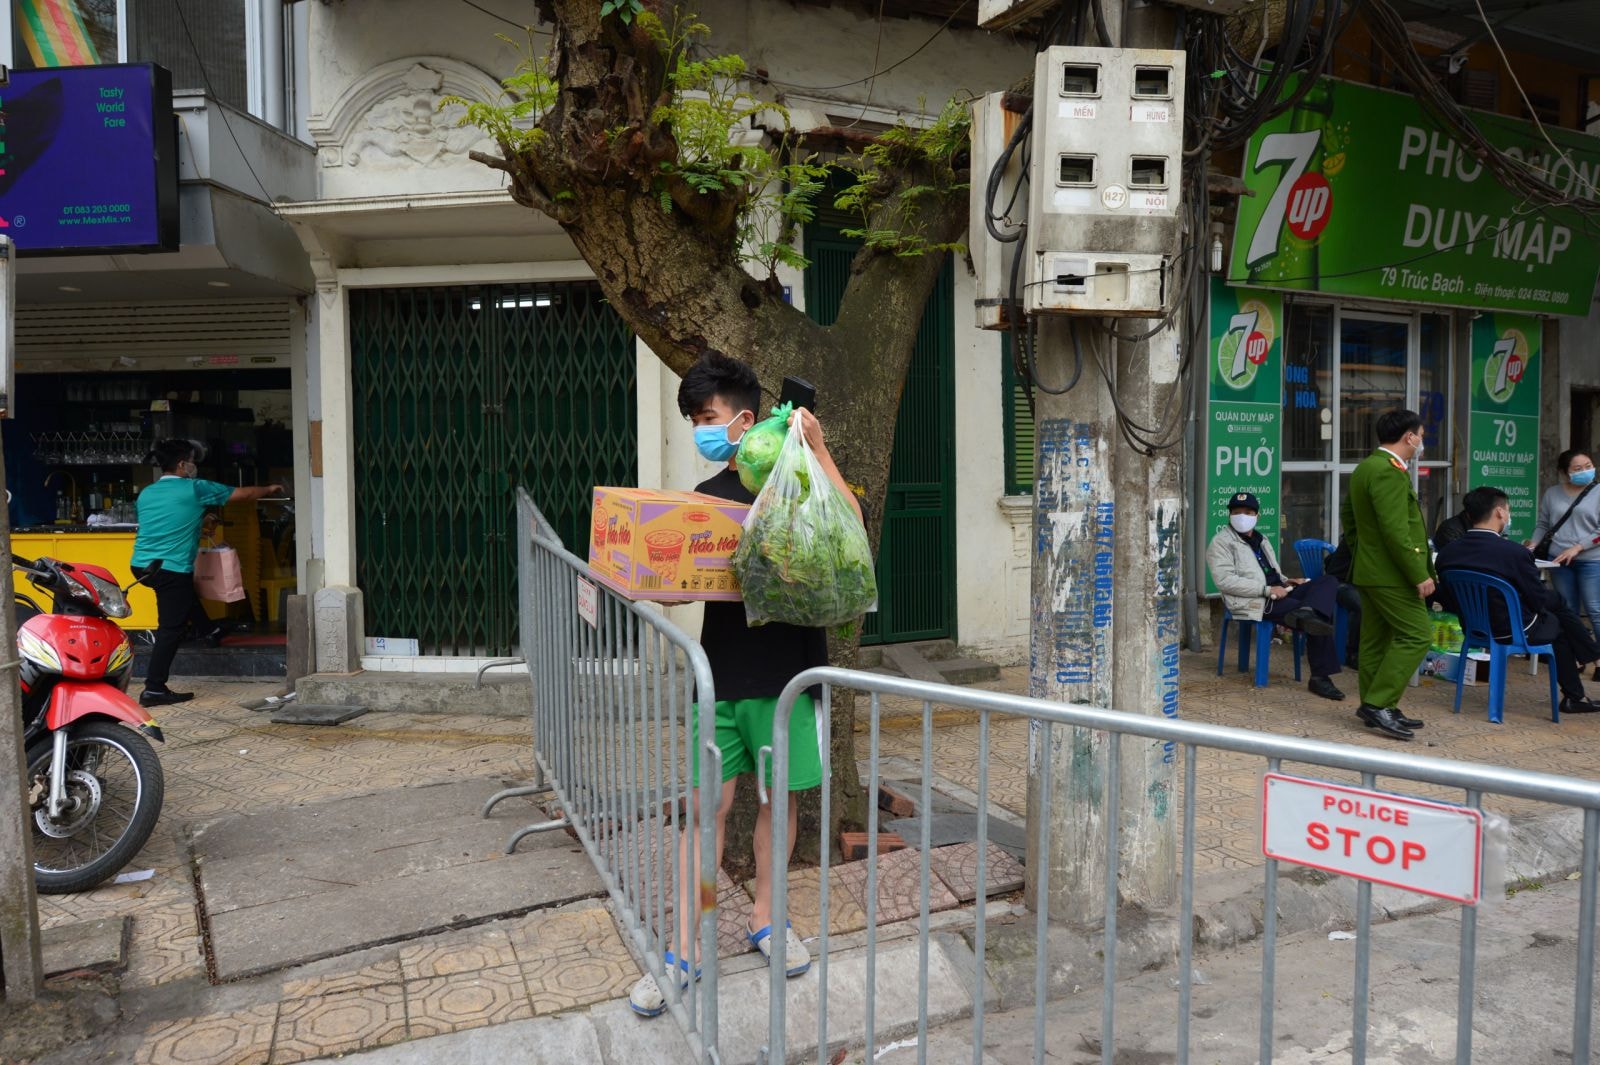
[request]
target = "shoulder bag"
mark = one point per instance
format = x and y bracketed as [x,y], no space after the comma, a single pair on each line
[1541,550]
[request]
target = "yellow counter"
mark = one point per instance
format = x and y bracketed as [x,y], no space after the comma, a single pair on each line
[113,550]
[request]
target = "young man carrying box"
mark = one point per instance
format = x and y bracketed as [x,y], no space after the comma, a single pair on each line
[750,668]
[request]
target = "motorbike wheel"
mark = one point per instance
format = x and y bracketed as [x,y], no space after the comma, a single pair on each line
[114,790]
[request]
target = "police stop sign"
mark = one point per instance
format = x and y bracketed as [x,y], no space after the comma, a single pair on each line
[1428,847]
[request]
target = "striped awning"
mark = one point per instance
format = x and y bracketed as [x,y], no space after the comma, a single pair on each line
[54,33]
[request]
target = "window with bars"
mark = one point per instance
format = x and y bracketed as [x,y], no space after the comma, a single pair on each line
[215,61]
[1017,419]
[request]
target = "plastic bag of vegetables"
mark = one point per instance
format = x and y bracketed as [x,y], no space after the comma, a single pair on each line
[803,558]
[759,448]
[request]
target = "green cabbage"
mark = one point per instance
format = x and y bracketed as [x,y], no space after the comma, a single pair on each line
[759,448]
[804,557]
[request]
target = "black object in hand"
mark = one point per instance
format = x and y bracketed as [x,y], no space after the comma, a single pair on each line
[799,392]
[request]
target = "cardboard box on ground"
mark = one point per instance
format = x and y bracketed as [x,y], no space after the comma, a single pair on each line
[663,546]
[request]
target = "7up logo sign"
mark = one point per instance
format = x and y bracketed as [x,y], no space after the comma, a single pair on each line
[1302,200]
[1245,347]
[1507,362]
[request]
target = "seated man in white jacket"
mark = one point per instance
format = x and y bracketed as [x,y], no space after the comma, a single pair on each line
[1245,570]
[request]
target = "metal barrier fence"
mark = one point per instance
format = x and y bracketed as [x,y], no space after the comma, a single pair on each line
[614,685]
[1474,781]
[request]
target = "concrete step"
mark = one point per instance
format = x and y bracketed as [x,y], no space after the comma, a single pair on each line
[967,670]
[502,693]
[933,650]
[225,661]
[943,671]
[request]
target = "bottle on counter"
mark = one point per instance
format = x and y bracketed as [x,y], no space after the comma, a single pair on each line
[95,501]
[63,511]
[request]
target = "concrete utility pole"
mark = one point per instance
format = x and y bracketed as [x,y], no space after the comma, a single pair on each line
[21,967]
[1106,575]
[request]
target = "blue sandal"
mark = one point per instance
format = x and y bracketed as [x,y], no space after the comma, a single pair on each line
[646,998]
[796,956]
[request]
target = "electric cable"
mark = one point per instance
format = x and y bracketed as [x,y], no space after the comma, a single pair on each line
[1102,31]
[1229,96]
[997,175]
[1525,178]
[872,83]
[497,15]
[876,73]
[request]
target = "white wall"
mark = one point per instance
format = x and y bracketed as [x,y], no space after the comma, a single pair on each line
[992,560]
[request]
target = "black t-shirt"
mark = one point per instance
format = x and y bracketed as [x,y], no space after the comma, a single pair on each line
[753,663]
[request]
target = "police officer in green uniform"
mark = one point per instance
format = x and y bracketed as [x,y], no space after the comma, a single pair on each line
[1392,570]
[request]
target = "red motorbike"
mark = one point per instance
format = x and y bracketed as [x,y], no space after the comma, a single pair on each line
[94,782]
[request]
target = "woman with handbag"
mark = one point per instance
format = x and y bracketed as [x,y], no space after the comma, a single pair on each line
[171,511]
[1568,534]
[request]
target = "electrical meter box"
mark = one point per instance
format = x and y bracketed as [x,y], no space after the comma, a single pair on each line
[1106,181]
[994,262]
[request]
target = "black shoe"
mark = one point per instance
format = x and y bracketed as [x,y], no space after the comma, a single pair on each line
[1408,722]
[1384,719]
[1308,621]
[163,698]
[1325,688]
[1575,704]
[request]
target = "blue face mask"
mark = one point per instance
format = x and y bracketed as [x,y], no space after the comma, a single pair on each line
[1582,477]
[713,442]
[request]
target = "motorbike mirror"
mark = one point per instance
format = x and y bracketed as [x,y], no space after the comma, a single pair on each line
[150,571]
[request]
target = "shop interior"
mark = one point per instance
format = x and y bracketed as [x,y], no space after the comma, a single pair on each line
[75,462]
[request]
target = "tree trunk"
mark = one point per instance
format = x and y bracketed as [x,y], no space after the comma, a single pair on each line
[675,277]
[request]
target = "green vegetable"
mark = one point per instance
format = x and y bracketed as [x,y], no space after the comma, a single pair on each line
[759,448]
[804,557]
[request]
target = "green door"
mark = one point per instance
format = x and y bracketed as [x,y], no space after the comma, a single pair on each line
[462,395]
[916,557]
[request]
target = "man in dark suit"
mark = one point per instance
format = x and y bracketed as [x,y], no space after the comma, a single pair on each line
[1485,549]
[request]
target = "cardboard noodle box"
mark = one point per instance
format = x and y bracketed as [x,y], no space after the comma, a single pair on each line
[665,546]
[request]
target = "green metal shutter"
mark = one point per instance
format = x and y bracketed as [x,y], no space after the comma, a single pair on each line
[1018,420]
[461,395]
[916,556]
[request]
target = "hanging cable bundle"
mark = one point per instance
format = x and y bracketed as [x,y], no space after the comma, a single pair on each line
[1532,178]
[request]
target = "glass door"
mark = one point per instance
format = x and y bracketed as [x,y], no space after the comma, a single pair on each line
[1374,360]
[1310,402]
[1343,367]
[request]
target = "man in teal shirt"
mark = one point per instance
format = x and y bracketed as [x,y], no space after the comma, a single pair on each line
[171,511]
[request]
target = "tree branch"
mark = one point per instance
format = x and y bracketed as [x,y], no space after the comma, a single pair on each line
[522,190]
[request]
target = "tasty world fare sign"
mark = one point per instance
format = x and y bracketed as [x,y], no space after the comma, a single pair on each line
[1356,192]
[88,160]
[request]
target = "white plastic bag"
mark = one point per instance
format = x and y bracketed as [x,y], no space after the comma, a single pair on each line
[804,557]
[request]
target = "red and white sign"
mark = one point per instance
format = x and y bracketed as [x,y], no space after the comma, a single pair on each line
[589,603]
[1428,847]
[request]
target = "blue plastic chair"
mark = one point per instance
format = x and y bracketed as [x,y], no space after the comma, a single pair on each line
[1471,590]
[1313,556]
[1263,642]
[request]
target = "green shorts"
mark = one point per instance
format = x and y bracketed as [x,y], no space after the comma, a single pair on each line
[744,726]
